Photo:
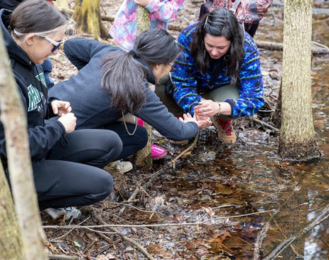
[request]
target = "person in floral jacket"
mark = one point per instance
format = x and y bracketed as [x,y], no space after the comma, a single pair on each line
[124,28]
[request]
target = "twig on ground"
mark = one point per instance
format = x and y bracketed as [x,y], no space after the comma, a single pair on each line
[324,241]
[161,225]
[63,257]
[133,242]
[127,205]
[284,244]
[285,237]
[265,124]
[54,239]
[132,197]
[89,246]
[259,240]
[185,151]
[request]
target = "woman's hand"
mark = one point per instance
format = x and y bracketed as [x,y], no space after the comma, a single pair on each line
[201,122]
[61,108]
[207,108]
[69,122]
[142,2]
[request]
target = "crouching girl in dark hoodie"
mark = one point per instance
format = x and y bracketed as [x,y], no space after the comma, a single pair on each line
[112,82]
[65,162]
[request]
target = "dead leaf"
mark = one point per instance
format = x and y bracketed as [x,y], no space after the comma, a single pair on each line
[51,247]
[209,211]
[106,257]
[157,249]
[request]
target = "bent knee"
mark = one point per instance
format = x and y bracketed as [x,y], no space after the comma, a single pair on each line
[104,186]
[113,143]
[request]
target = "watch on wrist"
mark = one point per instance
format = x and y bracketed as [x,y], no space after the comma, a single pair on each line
[220,109]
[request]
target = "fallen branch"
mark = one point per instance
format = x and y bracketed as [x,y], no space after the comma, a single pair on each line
[161,225]
[279,47]
[259,240]
[284,244]
[133,242]
[265,124]
[185,151]
[285,237]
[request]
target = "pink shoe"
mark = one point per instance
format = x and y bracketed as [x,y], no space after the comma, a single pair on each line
[158,152]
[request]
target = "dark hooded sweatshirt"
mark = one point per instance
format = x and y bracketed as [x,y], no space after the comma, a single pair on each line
[9,4]
[92,105]
[33,92]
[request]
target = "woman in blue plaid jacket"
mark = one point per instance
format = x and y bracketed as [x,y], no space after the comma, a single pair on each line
[218,73]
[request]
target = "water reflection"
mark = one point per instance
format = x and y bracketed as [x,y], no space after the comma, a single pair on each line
[300,192]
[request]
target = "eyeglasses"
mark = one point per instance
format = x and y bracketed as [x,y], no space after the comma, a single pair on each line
[56,44]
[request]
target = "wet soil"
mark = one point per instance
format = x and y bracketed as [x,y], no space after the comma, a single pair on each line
[220,202]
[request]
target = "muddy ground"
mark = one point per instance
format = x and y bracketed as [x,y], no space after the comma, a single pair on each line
[183,213]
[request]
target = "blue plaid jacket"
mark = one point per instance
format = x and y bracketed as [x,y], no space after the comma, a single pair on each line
[186,74]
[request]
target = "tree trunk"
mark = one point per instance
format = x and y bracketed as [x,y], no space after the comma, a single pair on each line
[144,156]
[10,239]
[20,170]
[297,139]
[88,18]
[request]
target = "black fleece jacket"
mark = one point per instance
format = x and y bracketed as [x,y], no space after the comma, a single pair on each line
[91,104]
[9,4]
[33,91]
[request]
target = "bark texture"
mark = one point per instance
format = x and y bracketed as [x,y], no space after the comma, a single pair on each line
[297,139]
[10,239]
[144,156]
[88,18]
[13,118]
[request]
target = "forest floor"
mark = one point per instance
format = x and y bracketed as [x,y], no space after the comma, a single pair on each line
[167,219]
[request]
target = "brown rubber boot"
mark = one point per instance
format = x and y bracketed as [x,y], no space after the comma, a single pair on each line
[225,130]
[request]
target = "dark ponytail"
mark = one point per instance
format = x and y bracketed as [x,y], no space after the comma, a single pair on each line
[123,75]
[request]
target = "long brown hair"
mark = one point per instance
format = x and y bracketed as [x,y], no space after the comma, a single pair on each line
[220,22]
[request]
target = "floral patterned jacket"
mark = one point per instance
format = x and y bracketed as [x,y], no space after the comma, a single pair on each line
[124,28]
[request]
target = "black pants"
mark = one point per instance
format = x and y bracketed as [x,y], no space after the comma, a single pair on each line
[70,175]
[130,143]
